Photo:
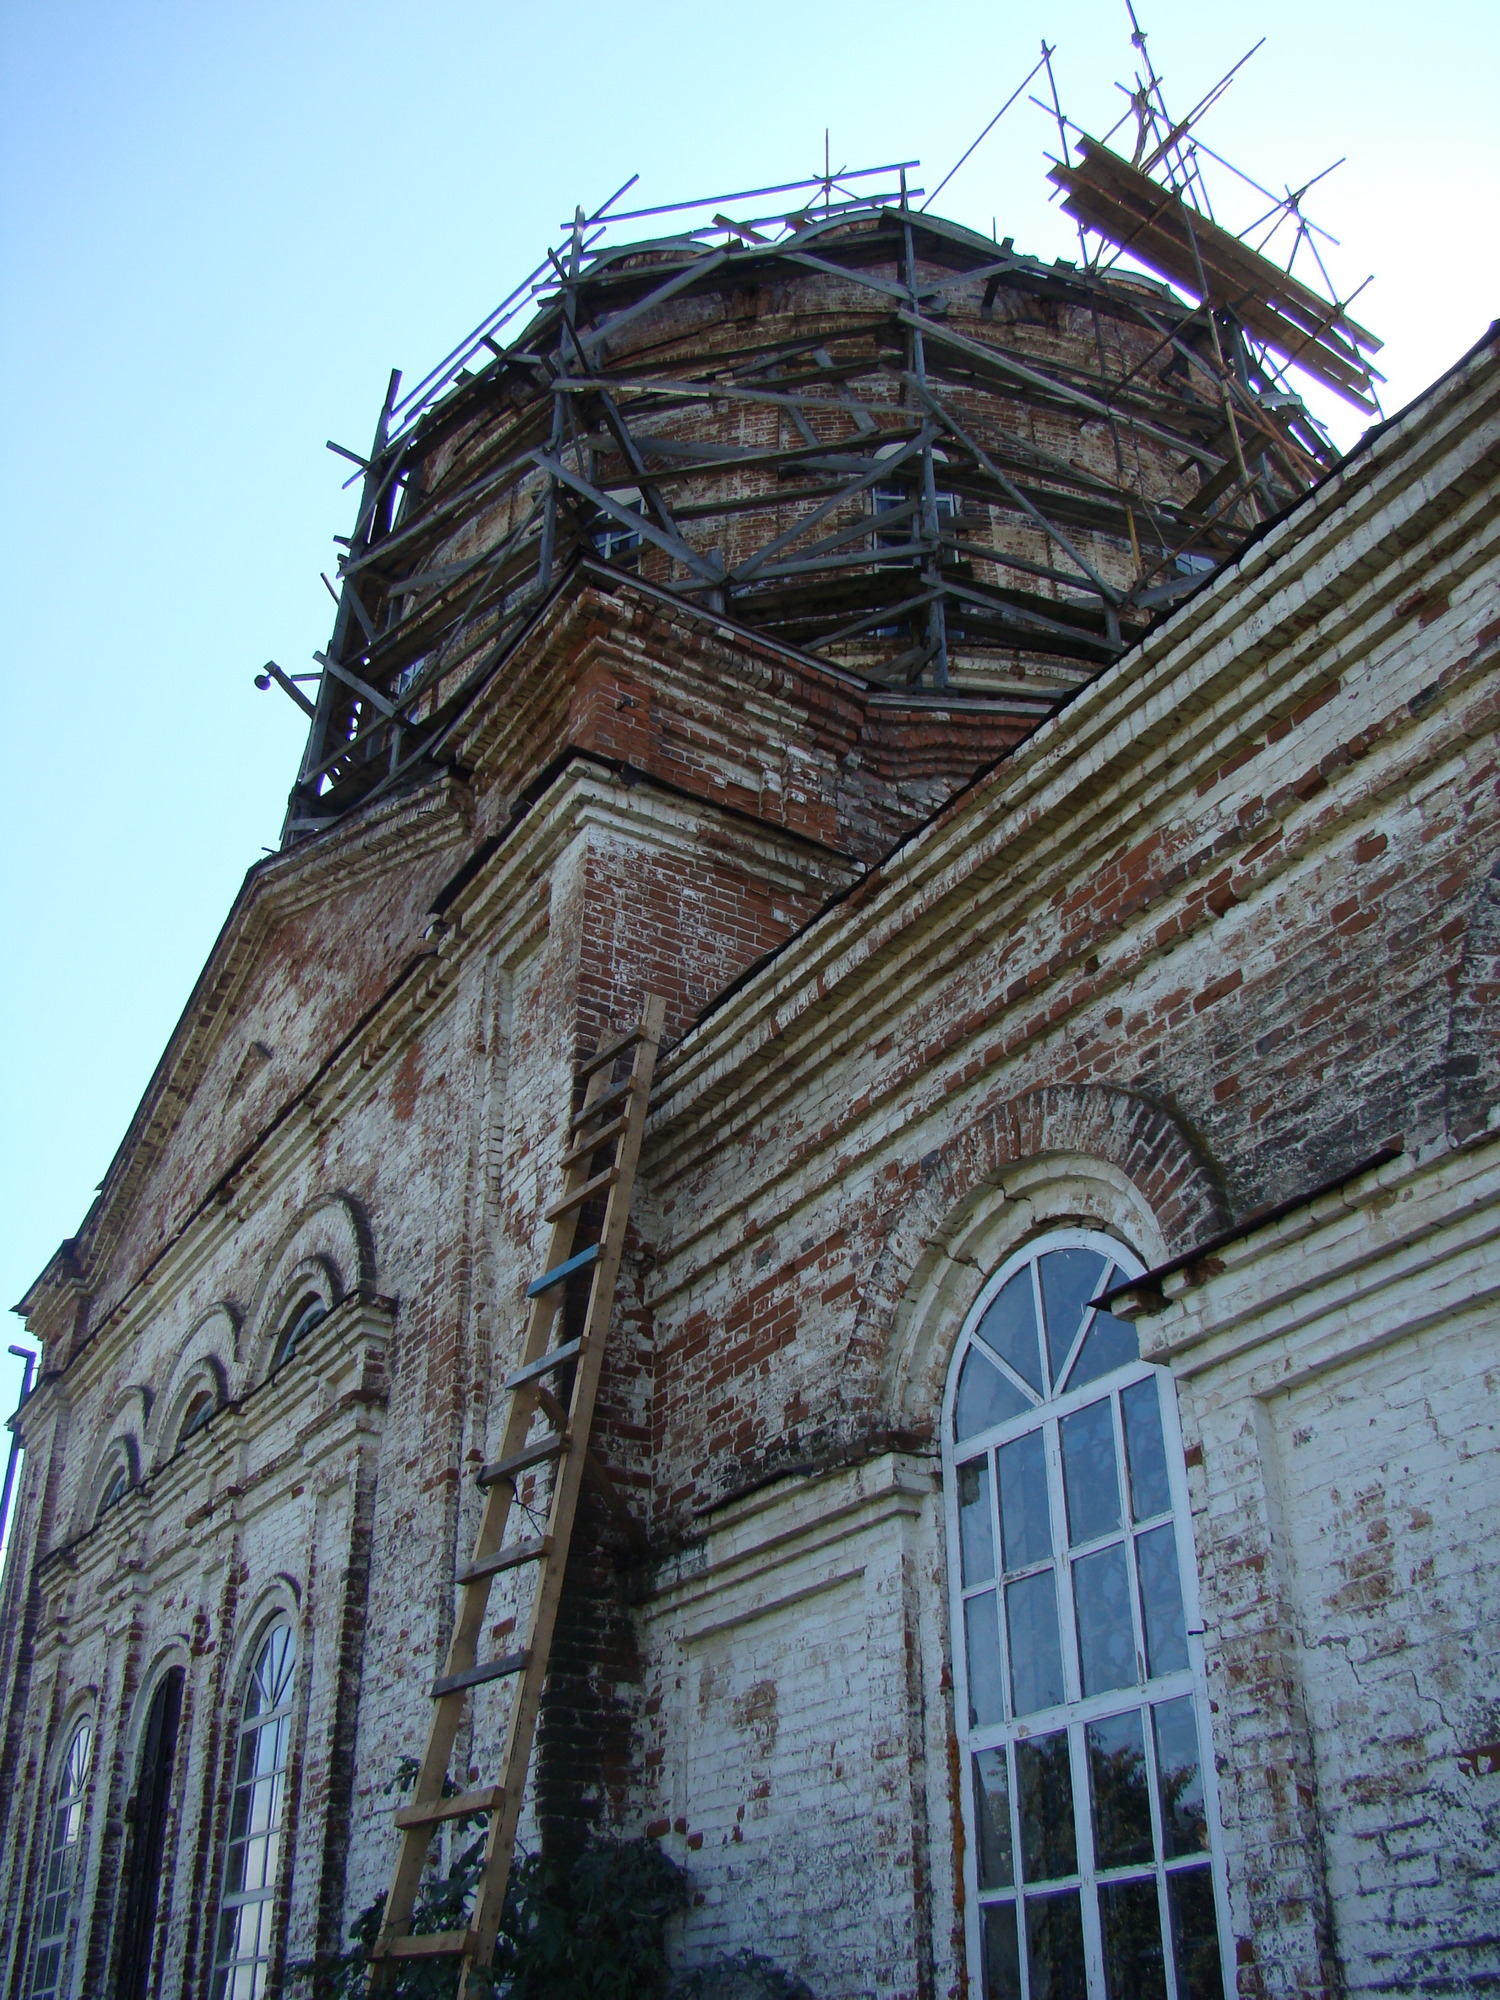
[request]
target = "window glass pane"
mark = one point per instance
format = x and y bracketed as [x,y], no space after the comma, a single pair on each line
[1161,1600]
[1184,1817]
[1120,1796]
[1145,1449]
[1089,1476]
[1044,1788]
[1009,1326]
[1070,1278]
[1106,1642]
[984,1397]
[976,1538]
[1130,1920]
[1054,1947]
[992,1817]
[1195,1935]
[197,1414]
[982,1638]
[1036,1677]
[1002,1957]
[1108,1344]
[1025,1519]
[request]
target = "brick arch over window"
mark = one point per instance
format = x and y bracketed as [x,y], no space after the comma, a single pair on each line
[1089,1153]
[330,1236]
[117,1441]
[207,1357]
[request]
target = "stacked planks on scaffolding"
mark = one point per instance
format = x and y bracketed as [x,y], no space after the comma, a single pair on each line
[1153,223]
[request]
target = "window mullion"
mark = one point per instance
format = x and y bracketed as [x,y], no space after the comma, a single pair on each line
[1083,1833]
[1062,1573]
[959,1641]
[1137,1612]
[1159,1835]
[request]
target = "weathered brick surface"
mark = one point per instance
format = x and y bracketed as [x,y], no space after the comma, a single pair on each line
[1207,940]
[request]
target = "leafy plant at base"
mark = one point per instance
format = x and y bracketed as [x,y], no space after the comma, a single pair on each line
[594,1931]
[744,1975]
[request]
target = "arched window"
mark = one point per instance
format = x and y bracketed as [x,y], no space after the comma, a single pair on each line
[201,1406]
[302,1318]
[115,1488]
[142,1888]
[252,1861]
[1088,1792]
[63,1865]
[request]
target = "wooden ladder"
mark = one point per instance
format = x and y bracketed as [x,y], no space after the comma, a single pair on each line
[610,1120]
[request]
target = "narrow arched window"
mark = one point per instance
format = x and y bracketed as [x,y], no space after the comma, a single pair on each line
[300,1321]
[1088,1794]
[257,1811]
[194,1418]
[115,1488]
[140,1903]
[63,1867]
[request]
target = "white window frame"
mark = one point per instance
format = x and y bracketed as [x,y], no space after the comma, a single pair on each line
[68,1814]
[1076,1710]
[228,1967]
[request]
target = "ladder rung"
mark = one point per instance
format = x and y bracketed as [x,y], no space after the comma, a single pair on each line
[510,1557]
[431,1944]
[561,1271]
[587,1147]
[605,1102]
[543,1365]
[487,1799]
[528,1455]
[473,1677]
[580,1195]
[607,1055]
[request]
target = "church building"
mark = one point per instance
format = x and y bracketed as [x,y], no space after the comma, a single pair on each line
[1031,809]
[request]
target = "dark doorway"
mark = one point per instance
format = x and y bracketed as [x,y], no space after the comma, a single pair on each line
[142,1886]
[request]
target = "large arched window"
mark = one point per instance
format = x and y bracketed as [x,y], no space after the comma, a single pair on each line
[140,1901]
[63,1866]
[1088,1796]
[257,1812]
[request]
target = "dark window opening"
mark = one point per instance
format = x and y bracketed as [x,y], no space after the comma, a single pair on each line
[196,1416]
[304,1316]
[141,1892]
[115,1490]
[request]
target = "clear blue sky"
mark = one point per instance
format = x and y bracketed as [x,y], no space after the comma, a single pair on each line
[222,224]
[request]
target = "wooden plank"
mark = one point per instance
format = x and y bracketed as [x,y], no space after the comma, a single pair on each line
[580,1195]
[428,1944]
[1153,223]
[511,1556]
[462,1805]
[476,1676]
[586,1148]
[561,1272]
[606,1101]
[608,1054]
[556,1357]
[520,1461]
